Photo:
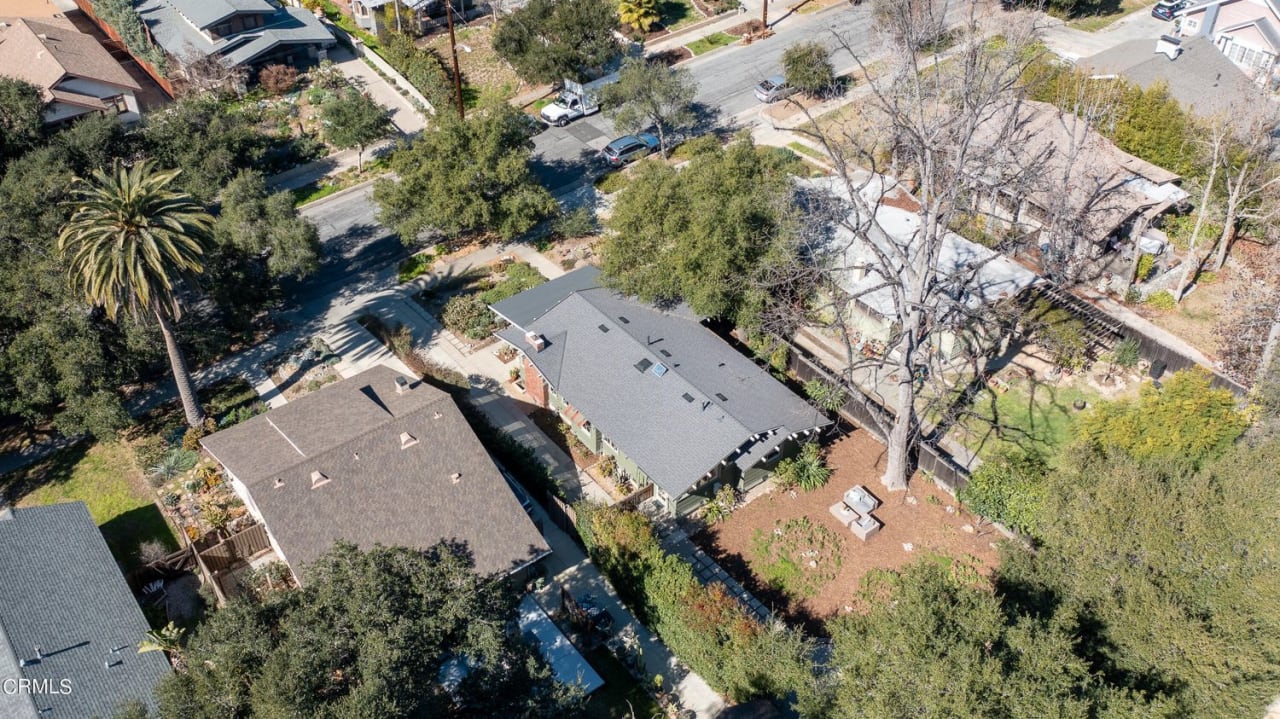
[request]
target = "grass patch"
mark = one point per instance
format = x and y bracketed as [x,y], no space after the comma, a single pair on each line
[711,42]
[415,266]
[105,477]
[313,191]
[797,557]
[539,104]
[807,151]
[621,692]
[1109,15]
[675,14]
[611,182]
[1029,415]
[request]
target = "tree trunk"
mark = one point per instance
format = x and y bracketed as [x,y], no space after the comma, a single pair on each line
[181,375]
[1193,260]
[899,447]
[662,139]
[1228,234]
[359,159]
[1269,349]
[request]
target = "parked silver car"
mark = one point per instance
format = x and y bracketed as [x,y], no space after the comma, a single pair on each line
[773,89]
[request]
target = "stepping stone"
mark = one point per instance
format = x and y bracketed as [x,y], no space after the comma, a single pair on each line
[967,528]
[908,547]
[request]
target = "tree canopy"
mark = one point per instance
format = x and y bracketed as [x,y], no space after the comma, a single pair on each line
[807,66]
[464,177]
[354,120]
[651,94]
[547,41]
[20,117]
[367,635]
[701,233]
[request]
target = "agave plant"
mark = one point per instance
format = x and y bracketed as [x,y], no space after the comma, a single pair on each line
[167,639]
[173,464]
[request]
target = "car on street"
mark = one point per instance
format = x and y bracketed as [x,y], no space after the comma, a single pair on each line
[1167,9]
[628,148]
[774,88]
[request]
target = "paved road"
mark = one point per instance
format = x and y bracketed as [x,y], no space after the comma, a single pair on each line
[562,155]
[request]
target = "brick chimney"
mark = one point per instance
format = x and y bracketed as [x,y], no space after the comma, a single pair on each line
[536,341]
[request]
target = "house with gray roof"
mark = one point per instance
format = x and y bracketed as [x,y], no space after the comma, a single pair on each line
[675,405]
[1247,32]
[1198,75]
[75,74]
[376,458]
[69,625]
[246,33]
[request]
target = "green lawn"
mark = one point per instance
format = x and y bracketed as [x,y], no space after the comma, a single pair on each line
[312,191]
[1036,416]
[611,700]
[675,14]
[804,149]
[1108,15]
[106,478]
[711,42]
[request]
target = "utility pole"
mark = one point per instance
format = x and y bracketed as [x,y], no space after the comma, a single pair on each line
[453,49]
[764,17]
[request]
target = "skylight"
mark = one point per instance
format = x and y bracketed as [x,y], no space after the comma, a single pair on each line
[603,328]
[624,320]
[721,397]
[687,397]
[644,364]
[659,369]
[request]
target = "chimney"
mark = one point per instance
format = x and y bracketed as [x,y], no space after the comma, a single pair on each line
[1169,46]
[407,440]
[402,384]
[536,341]
[318,479]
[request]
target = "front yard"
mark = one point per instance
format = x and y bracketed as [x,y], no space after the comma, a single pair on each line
[790,552]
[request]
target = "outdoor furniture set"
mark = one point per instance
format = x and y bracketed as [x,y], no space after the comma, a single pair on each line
[854,511]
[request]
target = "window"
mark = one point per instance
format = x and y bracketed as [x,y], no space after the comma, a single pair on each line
[251,21]
[222,30]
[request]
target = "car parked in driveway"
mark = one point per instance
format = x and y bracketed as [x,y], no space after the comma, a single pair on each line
[1167,9]
[774,88]
[628,148]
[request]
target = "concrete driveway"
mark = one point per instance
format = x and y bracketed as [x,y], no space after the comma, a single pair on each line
[1073,44]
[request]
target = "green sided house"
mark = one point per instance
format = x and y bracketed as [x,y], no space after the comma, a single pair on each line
[673,403]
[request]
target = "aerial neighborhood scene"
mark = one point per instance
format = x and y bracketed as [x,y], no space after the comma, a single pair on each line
[639,359]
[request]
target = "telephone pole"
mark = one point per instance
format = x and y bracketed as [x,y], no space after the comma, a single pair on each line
[453,49]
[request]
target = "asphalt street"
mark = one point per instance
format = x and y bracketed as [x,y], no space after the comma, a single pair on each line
[562,155]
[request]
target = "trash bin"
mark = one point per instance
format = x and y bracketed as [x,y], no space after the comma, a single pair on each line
[1157,369]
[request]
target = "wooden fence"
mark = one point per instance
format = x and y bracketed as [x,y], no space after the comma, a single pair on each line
[86,7]
[239,547]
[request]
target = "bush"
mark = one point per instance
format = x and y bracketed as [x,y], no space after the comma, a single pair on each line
[721,505]
[1008,488]
[278,79]
[171,465]
[806,471]
[568,263]
[468,315]
[807,66]
[578,222]
[191,437]
[422,68]
[1162,300]
[1061,334]
[612,182]
[149,451]
[416,265]
[520,276]
[240,414]
[1145,264]
[122,18]
[1126,354]
[824,395]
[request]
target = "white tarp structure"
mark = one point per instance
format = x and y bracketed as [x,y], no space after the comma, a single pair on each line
[568,665]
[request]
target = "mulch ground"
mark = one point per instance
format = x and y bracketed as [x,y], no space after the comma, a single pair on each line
[673,55]
[909,517]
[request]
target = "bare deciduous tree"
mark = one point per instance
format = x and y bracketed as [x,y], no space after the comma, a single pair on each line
[201,72]
[1250,175]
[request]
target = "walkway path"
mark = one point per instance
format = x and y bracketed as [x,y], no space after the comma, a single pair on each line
[404,115]
[677,542]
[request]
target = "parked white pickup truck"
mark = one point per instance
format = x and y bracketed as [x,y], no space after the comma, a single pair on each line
[577,100]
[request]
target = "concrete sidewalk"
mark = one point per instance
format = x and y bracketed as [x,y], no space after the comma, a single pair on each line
[404,115]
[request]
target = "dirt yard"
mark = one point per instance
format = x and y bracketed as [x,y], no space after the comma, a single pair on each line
[482,70]
[924,517]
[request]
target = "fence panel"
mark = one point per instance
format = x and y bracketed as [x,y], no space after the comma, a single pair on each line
[243,545]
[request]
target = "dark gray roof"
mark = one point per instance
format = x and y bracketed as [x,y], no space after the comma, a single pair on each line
[205,13]
[531,304]
[666,391]
[173,31]
[377,490]
[60,590]
[1203,79]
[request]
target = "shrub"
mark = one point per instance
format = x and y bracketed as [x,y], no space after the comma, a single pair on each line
[192,436]
[152,551]
[520,276]
[1162,300]
[608,466]
[1061,334]
[468,315]
[1132,296]
[825,395]
[240,414]
[612,182]
[421,67]
[1145,264]
[171,465]
[124,19]
[1126,354]
[808,67]
[568,263]
[806,471]
[278,79]
[578,222]
[721,505]
[417,265]
[327,76]
[149,451]
[1008,488]
[639,14]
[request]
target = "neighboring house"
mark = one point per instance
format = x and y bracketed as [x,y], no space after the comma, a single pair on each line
[75,74]
[673,403]
[69,625]
[1246,31]
[1199,77]
[375,458]
[245,33]
[368,13]
[1060,171]
[975,275]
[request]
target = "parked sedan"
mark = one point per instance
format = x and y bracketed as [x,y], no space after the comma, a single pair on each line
[1167,9]
[628,148]
[773,89]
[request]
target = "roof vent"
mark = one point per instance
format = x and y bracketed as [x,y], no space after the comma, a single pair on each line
[644,364]
[42,36]
[356,456]
[536,341]
[402,384]
[318,479]
[624,320]
[436,415]
[687,397]
[721,397]
[407,440]
[456,477]
[278,482]
[664,353]
[603,327]
[1169,46]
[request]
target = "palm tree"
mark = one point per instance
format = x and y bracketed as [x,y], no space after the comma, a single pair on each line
[130,238]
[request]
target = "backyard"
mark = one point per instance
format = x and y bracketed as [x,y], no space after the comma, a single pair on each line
[1030,414]
[792,554]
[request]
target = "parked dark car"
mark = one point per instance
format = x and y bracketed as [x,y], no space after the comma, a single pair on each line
[1167,9]
[628,148]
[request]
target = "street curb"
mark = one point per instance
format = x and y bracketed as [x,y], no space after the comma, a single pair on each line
[343,192]
[687,30]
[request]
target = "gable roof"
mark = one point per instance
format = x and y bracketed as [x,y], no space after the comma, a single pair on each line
[179,36]
[206,13]
[44,52]
[1201,78]
[61,591]
[666,391]
[1273,5]
[372,488]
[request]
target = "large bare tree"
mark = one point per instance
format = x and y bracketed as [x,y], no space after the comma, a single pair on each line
[924,125]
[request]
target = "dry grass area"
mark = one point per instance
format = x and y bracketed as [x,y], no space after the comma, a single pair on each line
[924,517]
[482,70]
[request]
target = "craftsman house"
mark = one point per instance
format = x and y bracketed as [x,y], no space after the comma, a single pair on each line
[69,625]
[673,403]
[375,458]
[1246,31]
[75,74]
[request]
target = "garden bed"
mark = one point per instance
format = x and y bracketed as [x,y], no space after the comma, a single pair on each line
[918,517]
[558,432]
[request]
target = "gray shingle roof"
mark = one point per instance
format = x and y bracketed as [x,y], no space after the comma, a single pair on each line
[60,590]
[1201,78]
[377,490]
[666,391]
[180,38]
[204,13]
